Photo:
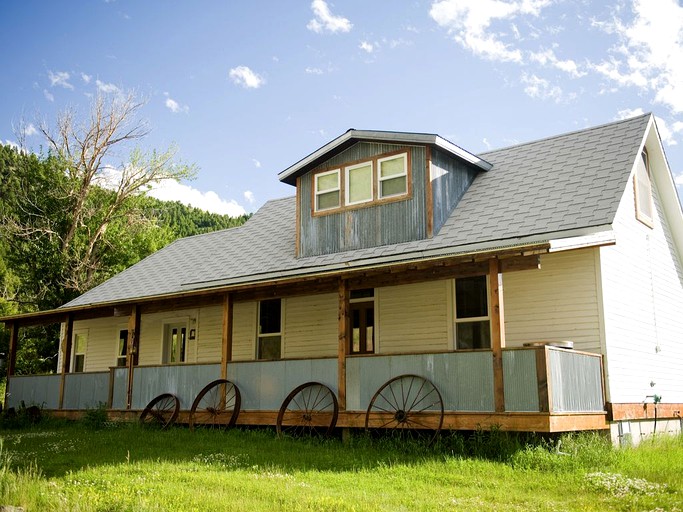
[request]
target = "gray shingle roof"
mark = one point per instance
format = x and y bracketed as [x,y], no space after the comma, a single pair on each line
[571,181]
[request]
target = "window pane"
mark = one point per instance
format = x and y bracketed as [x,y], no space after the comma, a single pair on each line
[123,342]
[370,330]
[269,347]
[393,166]
[79,362]
[328,200]
[470,297]
[355,331]
[360,184]
[269,316]
[327,182]
[364,293]
[470,335]
[393,187]
[79,343]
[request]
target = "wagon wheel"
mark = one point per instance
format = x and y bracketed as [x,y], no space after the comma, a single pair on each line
[162,411]
[310,409]
[216,405]
[405,403]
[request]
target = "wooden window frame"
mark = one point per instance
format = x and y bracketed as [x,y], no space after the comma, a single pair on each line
[473,319]
[376,200]
[392,177]
[643,217]
[316,192]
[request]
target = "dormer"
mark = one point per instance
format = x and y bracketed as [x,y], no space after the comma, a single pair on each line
[370,188]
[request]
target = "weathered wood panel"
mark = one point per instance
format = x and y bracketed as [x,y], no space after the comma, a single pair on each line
[450,179]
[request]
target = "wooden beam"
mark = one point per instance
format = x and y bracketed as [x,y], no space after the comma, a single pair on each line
[132,351]
[542,379]
[497,331]
[66,344]
[641,411]
[226,337]
[343,318]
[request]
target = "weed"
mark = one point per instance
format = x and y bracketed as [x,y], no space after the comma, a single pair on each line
[96,418]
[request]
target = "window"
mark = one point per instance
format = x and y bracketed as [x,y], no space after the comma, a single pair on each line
[269,342]
[472,321]
[327,190]
[175,343]
[393,176]
[359,183]
[79,347]
[122,348]
[643,191]
[382,178]
[362,317]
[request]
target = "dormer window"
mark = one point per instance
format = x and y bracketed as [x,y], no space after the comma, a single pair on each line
[363,183]
[643,191]
[327,190]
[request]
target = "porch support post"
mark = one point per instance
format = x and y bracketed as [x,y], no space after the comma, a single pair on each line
[342,345]
[66,343]
[497,331]
[132,350]
[12,356]
[226,339]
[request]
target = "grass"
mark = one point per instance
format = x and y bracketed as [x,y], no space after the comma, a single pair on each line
[100,467]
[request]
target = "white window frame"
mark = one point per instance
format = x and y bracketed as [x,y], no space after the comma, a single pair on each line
[380,179]
[642,178]
[74,354]
[118,354]
[318,193]
[260,335]
[166,349]
[347,181]
[472,319]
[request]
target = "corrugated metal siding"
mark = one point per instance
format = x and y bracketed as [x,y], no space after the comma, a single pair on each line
[414,317]
[40,390]
[265,384]
[450,180]
[120,388]
[465,379]
[85,390]
[389,223]
[311,326]
[575,382]
[184,381]
[520,381]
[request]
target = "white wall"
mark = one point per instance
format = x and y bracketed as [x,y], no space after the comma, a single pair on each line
[642,282]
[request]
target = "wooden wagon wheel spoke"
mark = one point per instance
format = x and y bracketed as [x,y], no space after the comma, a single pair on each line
[310,409]
[216,405]
[161,411]
[405,403]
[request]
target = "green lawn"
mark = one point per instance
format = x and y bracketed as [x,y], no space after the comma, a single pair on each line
[59,466]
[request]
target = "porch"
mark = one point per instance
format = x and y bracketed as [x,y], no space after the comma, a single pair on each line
[544,389]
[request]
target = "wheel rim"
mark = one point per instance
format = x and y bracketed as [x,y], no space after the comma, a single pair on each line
[406,403]
[217,405]
[162,411]
[309,410]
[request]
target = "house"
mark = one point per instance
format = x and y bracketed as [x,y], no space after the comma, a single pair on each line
[538,287]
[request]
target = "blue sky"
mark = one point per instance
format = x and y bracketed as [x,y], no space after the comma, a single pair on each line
[246,89]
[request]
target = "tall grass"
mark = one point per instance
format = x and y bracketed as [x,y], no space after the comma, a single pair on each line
[116,468]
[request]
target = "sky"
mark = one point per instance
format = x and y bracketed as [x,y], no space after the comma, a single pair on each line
[245,89]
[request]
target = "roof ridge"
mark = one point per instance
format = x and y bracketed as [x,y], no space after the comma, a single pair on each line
[566,134]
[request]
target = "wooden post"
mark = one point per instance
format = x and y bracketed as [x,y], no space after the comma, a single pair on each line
[497,332]
[66,344]
[542,378]
[342,345]
[12,356]
[132,350]
[226,339]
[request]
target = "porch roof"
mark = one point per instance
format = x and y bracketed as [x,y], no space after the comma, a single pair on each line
[540,192]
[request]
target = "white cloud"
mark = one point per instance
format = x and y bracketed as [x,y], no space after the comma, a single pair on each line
[469,22]
[627,113]
[649,51]
[679,180]
[667,132]
[59,78]
[86,78]
[174,106]
[326,21]
[541,88]
[548,57]
[257,164]
[210,201]
[314,71]
[106,88]
[48,95]
[367,47]
[29,130]
[245,77]
[249,196]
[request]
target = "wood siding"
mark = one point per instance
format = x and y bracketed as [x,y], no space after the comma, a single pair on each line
[152,334]
[311,326]
[642,283]
[557,302]
[209,334]
[103,339]
[244,331]
[414,317]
